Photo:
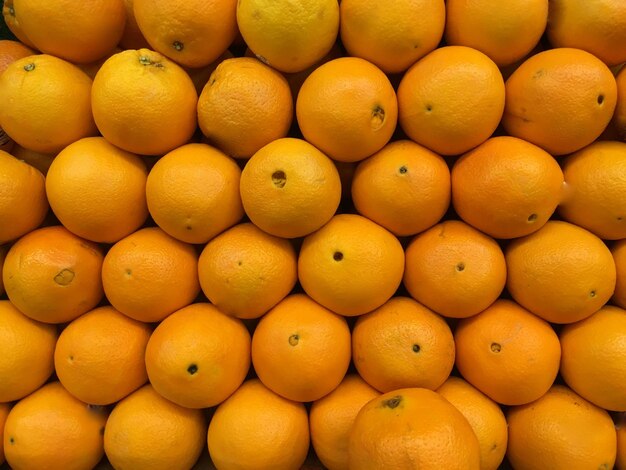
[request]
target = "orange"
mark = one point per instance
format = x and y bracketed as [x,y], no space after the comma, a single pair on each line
[31,346]
[192,33]
[132,38]
[594,358]
[289,36]
[485,417]
[451,100]
[149,275]
[562,272]
[46,103]
[145,430]
[620,109]
[332,417]
[143,102]
[41,161]
[351,265]
[618,250]
[198,356]
[561,431]
[245,272]
[506,187]
[52,275]
[8,13]
[560,99]
[404,187]
[504,32]
[79,33]
[412,428]
[4,411]
[301,350]
[596,188]
[99,357]
[597,26]
[454,269]
[10,51]
[620,461]
[506,352]
[244,106]
[97,190]
[52,429]
[256,429]
[289,188]
[402,344]
[193,193]
[23,200]
[347,108]
[392,35]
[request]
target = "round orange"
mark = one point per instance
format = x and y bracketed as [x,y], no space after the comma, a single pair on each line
[404,187]
[255,428]
[4,411]
[245,272]
[618,250]
[402,344]
[351,265]
[10,51]
[347,108]
[301,350]
[562,272]
[451,100]
[506,187]
[149,275]
[506,352]
[193,193]
[143,102]
[620,428]
[52,275]
[454,269]
[619,119]
[560,99]
[8,13]
[289,188]
[99,357]
[31,359]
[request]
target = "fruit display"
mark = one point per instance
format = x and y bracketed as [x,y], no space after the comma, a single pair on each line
[313,234]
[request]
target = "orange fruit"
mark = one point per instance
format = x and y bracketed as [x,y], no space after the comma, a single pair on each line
[10,19]
[618,250]
[561,431]
[31,345]
[347,108]
[620,109]
[289,188]
[409,427]
[562,272]
[149,275]
[52,275]
[198,356]
[593,363]
[594,182]
[402,344]
[125,108]
[52,429]
[301,350]
[451,100]
[4,411]
[485,417]
[244,106]
[506,187]
[255,428]
[97,190]
[132,38]
[559,99]
[79,33]
[393,35]
[505,33]
[10,51]
[22,198]
[351,265]
[192,33]
[99,357]
[193,193]
[41,161]
[506,352]
[46,103]
[596,26]
[245,272]
[331,418]
[454,269]
[404,187]
[289,36]
[145,430]
[620,428]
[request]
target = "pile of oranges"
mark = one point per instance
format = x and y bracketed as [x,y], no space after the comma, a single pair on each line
[262,234]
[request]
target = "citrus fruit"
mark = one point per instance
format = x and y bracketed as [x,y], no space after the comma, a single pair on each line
[10,51]
[618,250]
[4,411]
[620,461]
[8,13]
[619,118]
